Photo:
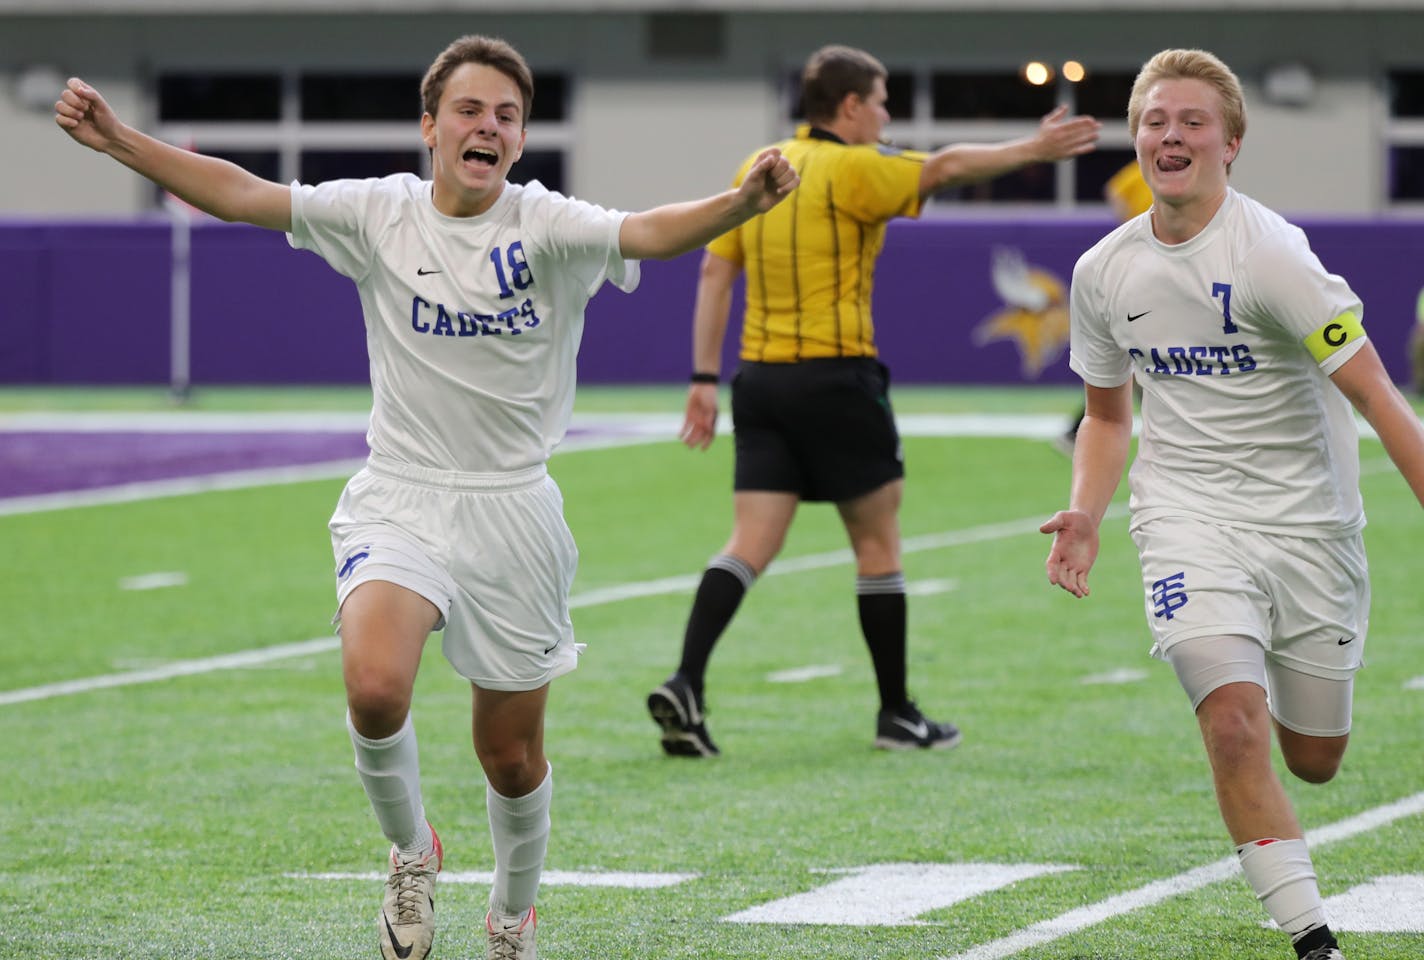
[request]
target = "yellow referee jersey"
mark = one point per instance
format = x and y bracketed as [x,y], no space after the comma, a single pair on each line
[810,260]
[1130,192]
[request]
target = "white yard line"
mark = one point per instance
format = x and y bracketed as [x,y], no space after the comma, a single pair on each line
[590,598]
[549,878]
[178,486]
[178,668]
[1080,919]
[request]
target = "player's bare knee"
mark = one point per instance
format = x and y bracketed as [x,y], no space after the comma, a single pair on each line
[1314,769]
[1313,760]
[1232,740]
[511,768]
[377,700]
[1234,726]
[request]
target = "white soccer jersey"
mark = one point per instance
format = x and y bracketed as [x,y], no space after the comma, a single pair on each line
[1232,336]
[472,323]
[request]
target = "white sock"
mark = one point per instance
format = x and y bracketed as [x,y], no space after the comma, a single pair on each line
[1283,877]
[519,829]
[390,772]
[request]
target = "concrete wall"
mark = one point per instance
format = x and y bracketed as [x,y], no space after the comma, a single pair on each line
[648,130]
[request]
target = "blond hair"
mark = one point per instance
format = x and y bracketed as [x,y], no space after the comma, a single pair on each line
[1190,65]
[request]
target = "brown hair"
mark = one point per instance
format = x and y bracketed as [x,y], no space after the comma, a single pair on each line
[830,74]
[490,51]
[1190,65]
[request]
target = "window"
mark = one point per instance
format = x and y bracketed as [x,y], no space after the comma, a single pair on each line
[1033,184]
[1092,171]
[264,163]
[1406,173]
[1404,135]
[316,126]
[361,96]
[551,98]
[900,94]
[1406,93]
[219,97]
[1104,95]
[546,166]
[320,165]
[931,107]
[988,96]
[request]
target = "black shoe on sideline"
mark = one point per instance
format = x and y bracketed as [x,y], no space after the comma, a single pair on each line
[678,711]
[908,729]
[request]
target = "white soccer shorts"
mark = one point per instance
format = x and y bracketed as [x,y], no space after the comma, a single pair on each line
[491,552]
[1304,601]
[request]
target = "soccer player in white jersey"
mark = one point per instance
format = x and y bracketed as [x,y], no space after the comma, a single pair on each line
[473,291]
[1245,499]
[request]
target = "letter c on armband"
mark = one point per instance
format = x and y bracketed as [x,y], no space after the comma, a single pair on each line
[1343,330]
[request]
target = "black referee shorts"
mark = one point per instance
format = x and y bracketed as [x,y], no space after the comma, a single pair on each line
[822,429]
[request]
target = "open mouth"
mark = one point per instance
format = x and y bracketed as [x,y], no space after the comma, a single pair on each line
[1168,164]
[480,155]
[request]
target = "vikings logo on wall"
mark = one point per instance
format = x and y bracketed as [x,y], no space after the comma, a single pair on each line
[1035,315]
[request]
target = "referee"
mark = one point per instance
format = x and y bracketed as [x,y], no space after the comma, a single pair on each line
[810,400]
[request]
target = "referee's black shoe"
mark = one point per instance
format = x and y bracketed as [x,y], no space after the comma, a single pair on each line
[678,711]
[907,728]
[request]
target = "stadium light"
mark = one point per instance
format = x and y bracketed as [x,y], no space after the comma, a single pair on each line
[1037,73]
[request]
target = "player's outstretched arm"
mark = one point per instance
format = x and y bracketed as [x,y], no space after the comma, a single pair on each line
[1059,137]
[1099,455]
[214,186]
[709,327]
[1364,380]
[675,228]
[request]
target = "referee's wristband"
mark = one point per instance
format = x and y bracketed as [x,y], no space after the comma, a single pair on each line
[704,378]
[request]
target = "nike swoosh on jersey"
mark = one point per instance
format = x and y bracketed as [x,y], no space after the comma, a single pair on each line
[1137,316]
[422,272]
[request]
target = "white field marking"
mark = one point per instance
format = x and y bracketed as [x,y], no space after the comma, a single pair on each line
[608,430]
[926,588]
[1027,426]
[178,668]
[815,561]
[154,581]
[634,429]
[178,486]
[549,878]
[1390,904]
[802,674]
[1022,426]
[1046,931]
[892,894]
[233,480]
[1120,675]
[590,598]
[186,421]
[1416,684]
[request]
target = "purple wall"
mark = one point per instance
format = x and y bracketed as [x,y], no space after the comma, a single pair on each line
[88,303]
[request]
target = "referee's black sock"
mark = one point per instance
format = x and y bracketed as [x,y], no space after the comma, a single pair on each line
[725,581]
[881,602]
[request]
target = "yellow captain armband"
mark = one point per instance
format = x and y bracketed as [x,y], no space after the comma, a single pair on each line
[1344,329]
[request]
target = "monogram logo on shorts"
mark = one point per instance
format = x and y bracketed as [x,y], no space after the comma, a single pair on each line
[351,560]
[1169,595]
